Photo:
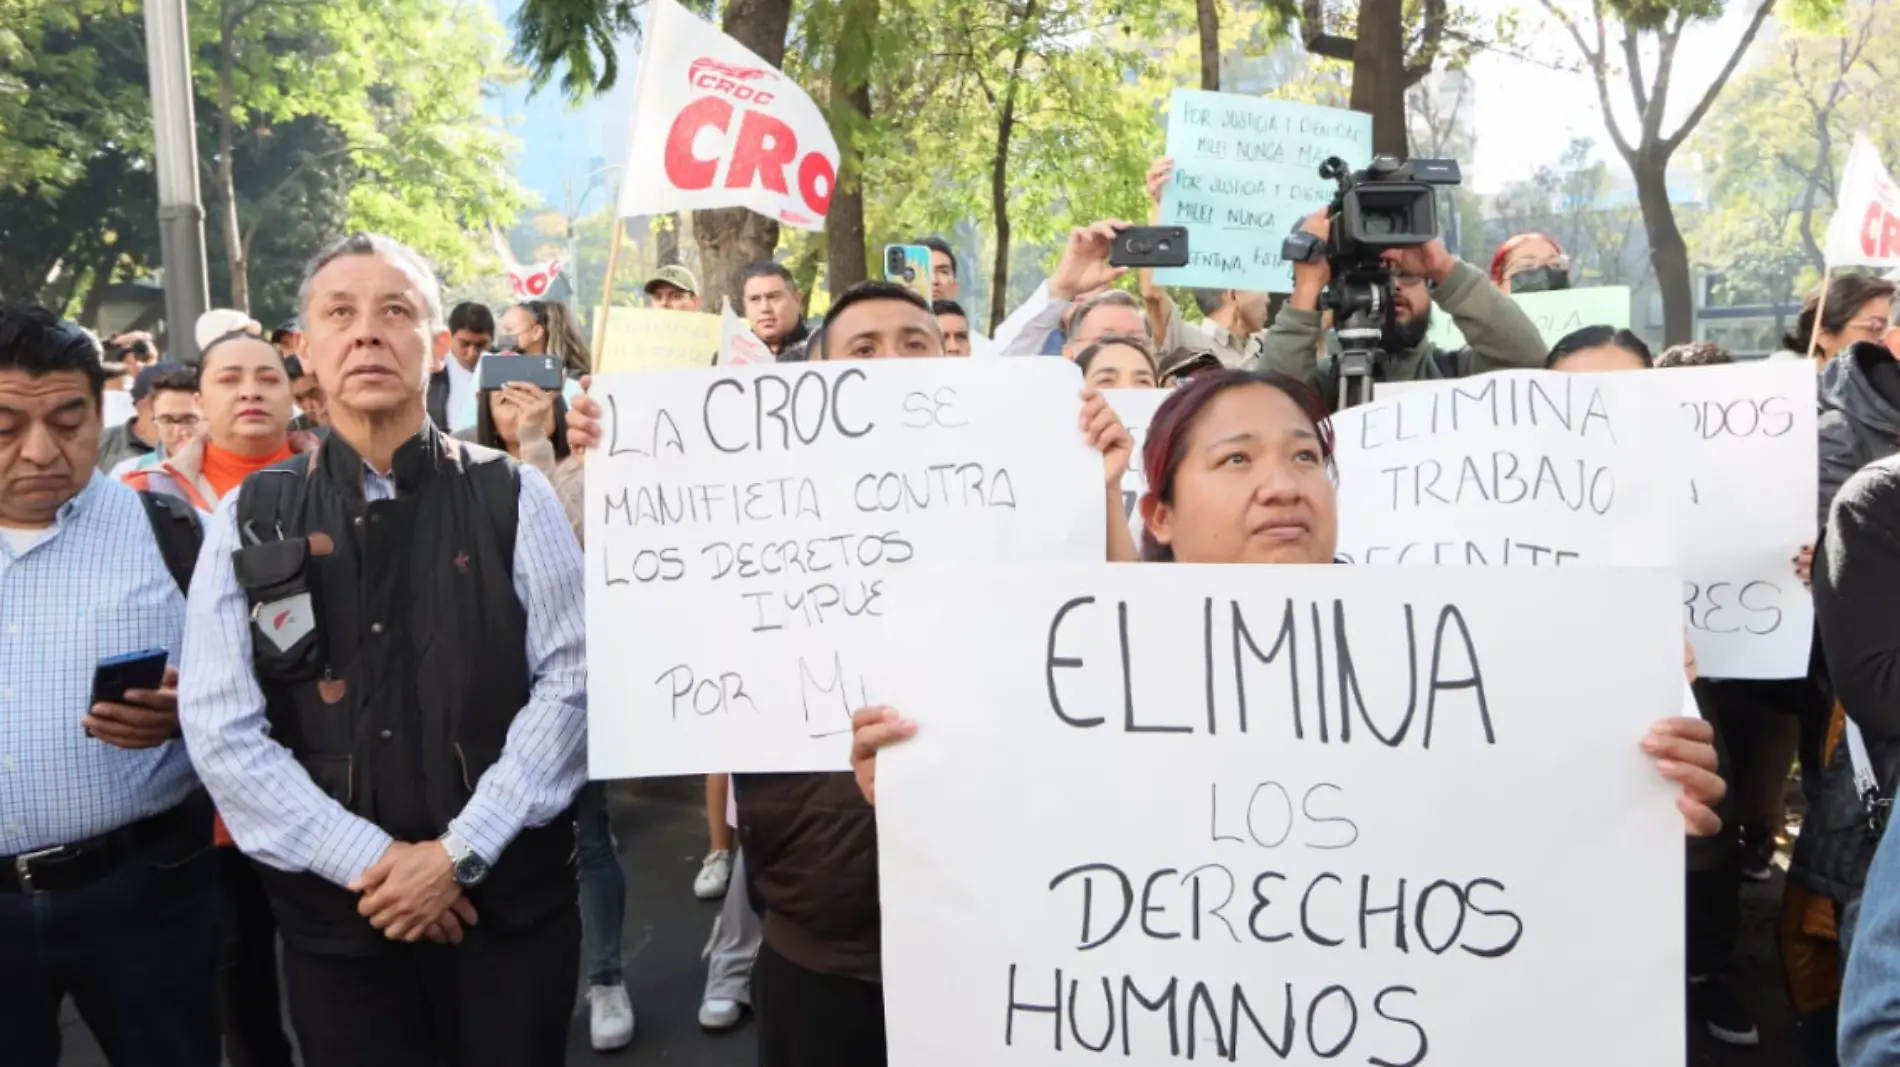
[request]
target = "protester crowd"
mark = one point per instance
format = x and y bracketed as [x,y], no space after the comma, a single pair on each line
[359,566]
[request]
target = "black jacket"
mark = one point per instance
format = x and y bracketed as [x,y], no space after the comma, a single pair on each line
[1860,416]
[401,696]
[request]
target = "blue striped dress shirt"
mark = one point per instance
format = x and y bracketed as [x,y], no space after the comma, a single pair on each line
[95,587]
[278,815]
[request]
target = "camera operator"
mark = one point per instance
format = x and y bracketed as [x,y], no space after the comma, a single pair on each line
[1498,335]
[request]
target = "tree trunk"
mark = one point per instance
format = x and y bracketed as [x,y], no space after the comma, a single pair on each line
[1668,252]
[227,179]
[850,114]
[1208,12]
[1378,73]
[102,273]
[666,241]
[999,174]
[732,238]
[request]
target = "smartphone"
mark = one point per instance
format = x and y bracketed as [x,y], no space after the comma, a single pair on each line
[496,370]
[908,265]
[115,675]
[1150,246]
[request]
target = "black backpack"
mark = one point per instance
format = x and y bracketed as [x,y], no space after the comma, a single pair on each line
[175,524]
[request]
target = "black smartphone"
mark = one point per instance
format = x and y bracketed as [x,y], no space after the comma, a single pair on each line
[1150,246]
[116,675]
[496,370]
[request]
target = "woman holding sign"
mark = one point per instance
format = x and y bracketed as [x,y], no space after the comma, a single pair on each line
[1240,471]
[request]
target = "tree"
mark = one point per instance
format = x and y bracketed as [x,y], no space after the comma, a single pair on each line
[732,238]
[1661,24]
[1207,18]
[1391,46]
[421,159]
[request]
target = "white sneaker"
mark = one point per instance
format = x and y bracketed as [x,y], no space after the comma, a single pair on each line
[718,1013]
[610,1017]
[714,873]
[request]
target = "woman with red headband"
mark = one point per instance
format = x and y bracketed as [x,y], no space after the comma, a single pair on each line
[1530,263]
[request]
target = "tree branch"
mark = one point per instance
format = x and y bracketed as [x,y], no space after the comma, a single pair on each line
[1669,144]
[1599,67]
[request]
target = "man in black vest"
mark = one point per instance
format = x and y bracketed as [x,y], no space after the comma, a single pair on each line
[387,699]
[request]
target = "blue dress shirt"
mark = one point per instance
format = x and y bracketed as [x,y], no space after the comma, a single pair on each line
[96,587]
[277,814]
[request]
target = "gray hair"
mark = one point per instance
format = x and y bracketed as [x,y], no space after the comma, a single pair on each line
[1210,300]
[392,251]
[1105,298]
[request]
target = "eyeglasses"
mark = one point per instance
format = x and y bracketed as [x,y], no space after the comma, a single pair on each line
[1409,279]
[1871,324]
[178,422]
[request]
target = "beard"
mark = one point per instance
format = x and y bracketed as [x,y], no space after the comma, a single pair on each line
[1400,336]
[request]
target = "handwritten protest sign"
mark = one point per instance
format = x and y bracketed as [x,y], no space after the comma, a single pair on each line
[1555,313]
[1280,815]
[1246,171]
[741,524]
[1739,446]
[1523,468]
[1752,468]
[1137,408]
[657,339]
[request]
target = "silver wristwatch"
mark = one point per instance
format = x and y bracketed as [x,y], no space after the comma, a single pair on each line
[469,868]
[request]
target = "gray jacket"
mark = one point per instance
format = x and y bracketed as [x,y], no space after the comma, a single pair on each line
[1860,417]
[119,443]
[1498,336]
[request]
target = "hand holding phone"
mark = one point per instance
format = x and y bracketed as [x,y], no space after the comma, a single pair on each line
[1150,246]
[150,722]
[496,370]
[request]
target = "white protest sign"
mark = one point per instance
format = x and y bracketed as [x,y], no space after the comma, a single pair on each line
[1137,408]
[716,126]
[1752,467]
[737,343]
[742,522]
[1246,171]
[1555,314]
[1865,228]
[1520,468]
[1742,449]
[1280,815]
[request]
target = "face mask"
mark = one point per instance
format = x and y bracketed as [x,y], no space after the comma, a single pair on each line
[507,343]
[1540,280]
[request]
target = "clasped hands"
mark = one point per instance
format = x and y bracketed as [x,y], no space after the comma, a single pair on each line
[411,893]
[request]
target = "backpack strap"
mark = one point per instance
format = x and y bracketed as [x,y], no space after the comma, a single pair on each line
[175,524]
[1447,363]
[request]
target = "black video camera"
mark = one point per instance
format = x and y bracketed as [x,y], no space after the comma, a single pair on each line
[1387,206]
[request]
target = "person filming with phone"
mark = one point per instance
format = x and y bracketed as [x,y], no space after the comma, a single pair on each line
[108,887]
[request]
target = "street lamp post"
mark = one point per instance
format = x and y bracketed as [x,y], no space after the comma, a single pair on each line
[181,233]
[595,180]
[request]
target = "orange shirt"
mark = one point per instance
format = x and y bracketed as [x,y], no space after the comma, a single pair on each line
[226,470]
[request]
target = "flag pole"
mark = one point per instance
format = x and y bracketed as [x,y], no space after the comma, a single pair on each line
[1820,311]
[607,286]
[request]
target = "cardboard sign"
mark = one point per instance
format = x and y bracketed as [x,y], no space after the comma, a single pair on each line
[1738,446]
[1280,814]
[742,523]
[1246,171]
[716,126]
[1865,229]
[1556,313]
[643,339]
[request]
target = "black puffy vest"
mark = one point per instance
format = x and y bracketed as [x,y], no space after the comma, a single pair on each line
[422,664]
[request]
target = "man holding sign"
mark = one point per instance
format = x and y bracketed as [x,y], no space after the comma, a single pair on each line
[1499,335]
[809,839]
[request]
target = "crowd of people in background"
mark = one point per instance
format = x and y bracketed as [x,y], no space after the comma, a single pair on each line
[411,819]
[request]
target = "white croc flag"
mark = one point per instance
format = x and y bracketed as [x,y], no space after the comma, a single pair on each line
[716,126]
[1865,230]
